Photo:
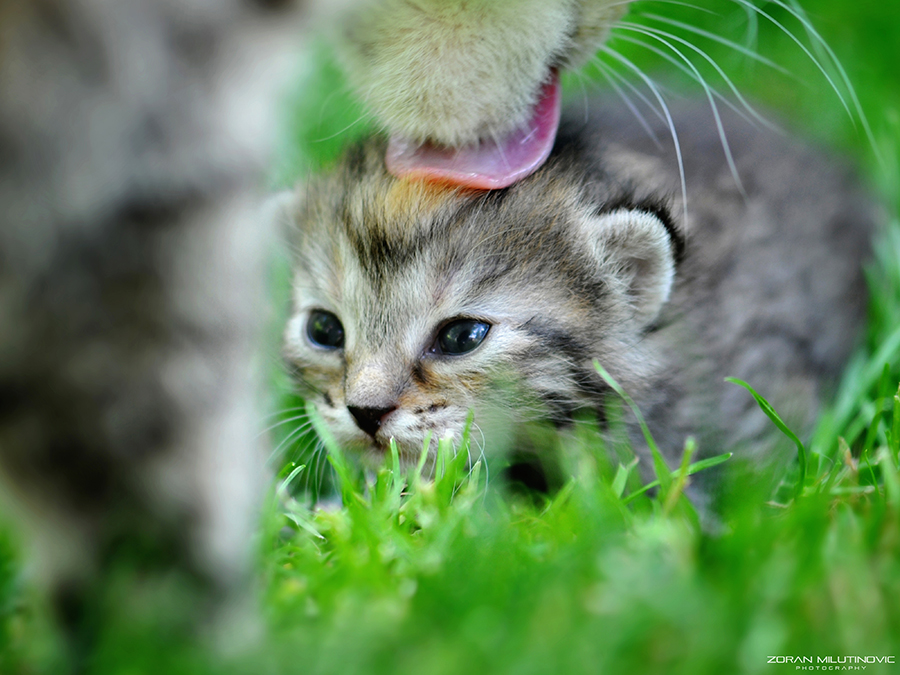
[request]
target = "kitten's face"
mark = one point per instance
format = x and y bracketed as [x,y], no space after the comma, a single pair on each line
[415,304]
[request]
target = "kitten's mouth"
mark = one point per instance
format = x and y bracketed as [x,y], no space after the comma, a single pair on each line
[490,164]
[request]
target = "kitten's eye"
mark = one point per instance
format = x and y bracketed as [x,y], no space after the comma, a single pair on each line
[324,329]
[461,336]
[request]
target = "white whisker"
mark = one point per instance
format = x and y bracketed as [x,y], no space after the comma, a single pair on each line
[299,431]
[750,6]
[283,411]
[689,5]
[321,454]
[584,95]
[608,73]
[749,53]
[500,152]
[658,35]
[362,118]
[658,95]
[820,43]
[637,92]
[282,423]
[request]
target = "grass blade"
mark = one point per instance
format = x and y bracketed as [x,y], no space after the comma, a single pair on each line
[767,408]
[692,469]
[621,478]
[895,428]
[681,475]
[659,464]
[286,483]
[335,454]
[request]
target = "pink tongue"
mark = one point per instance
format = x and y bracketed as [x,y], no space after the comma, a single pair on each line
[489,164]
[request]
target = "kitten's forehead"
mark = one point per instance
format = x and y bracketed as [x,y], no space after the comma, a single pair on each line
[392,221]
[418,238]
[393,258]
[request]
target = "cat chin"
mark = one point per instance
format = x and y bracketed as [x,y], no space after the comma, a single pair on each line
[372,455]
[376,455]
[468,91]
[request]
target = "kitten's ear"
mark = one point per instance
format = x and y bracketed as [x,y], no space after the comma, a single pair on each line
[637,251]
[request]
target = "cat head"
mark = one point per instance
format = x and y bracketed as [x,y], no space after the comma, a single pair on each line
[416,303]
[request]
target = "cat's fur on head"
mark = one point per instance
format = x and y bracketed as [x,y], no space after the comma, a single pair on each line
[577,262]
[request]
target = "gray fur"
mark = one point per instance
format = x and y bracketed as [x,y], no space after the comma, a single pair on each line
[132,135]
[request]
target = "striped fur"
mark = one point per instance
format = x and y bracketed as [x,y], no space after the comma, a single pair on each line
[588,258]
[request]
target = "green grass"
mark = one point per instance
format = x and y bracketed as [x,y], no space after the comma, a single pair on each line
[447,576]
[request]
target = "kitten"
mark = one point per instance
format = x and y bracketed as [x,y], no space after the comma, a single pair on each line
[469,89]
[416,303]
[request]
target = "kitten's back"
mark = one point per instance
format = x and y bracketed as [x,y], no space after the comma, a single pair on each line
[771,289]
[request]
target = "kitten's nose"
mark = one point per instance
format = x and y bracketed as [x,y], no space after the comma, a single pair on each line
[369,419]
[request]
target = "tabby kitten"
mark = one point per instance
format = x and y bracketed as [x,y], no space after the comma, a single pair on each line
[416,303]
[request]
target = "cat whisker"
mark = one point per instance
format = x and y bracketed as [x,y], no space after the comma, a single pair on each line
[299,431]
[283,411]
[481,445]
[294,433]
[314,460]
[319,461]
[499,143]
[326,102]
[609,73]
[722,99]
[290,420]
[657,35]
[688,5]
[749,53]
[365,117]
[654,88]
[324,465]
[753,113]
[816,39]
[752,30]
[584,95]
[487,467]
[620,3]
[820,44]
[296,373]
